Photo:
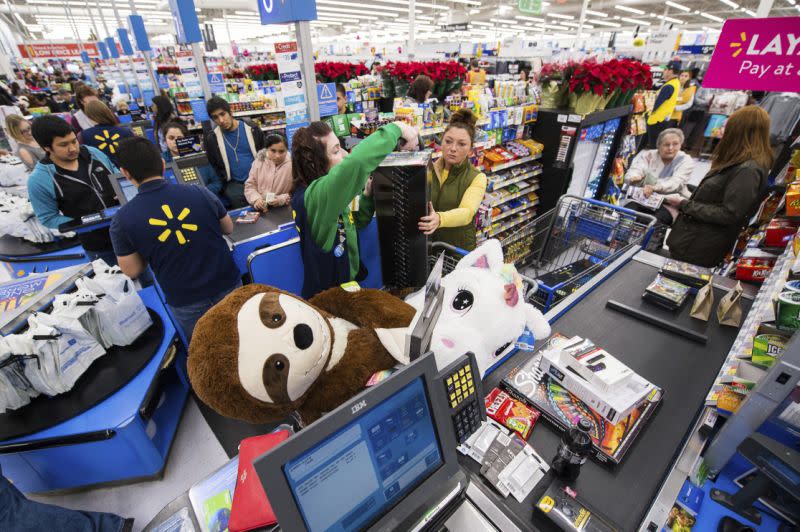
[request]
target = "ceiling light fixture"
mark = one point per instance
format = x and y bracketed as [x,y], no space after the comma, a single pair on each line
[734,5]
[532,19]
[559,15]
[678,6]
[750,12]
[605,23]
[675,20]
[634,21]
[596,13]
[630,9]
[712,17]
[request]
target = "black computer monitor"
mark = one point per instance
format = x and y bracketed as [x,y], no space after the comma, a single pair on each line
[418,341]
[377,462]
[140,128]
[123,189]
[189,170]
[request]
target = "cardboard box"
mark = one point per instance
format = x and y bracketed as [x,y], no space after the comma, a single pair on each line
[597,366]
[779,232]
[614,405]
[793,199]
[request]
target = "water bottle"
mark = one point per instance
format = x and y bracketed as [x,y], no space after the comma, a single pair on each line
[576,444]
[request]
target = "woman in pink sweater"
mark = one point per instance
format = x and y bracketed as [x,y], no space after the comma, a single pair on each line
[270,180]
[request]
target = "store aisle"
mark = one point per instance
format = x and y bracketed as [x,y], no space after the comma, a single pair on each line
[195,454]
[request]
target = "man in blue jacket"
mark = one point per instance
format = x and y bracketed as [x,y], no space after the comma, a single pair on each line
[178,231]
[72,181]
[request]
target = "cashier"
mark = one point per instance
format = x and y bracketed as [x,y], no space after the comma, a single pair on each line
[458,187]
[327,180]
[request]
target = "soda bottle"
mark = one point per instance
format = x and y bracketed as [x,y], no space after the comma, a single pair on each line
[576,444]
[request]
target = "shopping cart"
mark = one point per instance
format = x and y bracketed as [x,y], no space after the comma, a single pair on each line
[562,249]
[566,247]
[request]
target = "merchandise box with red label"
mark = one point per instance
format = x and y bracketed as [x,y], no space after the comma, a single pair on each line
[780,232]
[755,265]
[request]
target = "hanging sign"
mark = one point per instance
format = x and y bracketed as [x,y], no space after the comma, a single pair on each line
[326,97]
[124,41]
[757,54]
[283,11]
[186,23]
[533,7]
[139,33]
[292,88]
[112,47]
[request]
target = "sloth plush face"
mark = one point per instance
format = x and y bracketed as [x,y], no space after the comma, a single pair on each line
[284,344]
[256,354]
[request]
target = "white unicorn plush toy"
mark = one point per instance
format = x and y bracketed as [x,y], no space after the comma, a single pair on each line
[484,310]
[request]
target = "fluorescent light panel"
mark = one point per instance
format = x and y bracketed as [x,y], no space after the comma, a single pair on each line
[559,15]
[596,13]
[532,19]
[675,20]
[634,21]
[678,6]
[630,9]
[605,23]
[734,5]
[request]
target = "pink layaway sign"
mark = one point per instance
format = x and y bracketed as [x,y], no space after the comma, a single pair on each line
[757,54]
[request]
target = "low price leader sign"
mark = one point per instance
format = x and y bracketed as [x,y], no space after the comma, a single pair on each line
[757,54]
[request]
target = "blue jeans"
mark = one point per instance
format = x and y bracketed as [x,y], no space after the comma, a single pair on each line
[187,315]
[18,514]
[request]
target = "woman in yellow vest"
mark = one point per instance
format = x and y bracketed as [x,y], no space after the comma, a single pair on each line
[685,97]
[457,188]
[666,99]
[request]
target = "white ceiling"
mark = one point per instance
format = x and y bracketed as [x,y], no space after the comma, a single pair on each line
[387,20]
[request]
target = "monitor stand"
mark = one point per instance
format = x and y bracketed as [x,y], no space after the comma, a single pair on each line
[742,502]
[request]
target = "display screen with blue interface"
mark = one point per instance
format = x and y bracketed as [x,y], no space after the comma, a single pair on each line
[350,479]
[128,189]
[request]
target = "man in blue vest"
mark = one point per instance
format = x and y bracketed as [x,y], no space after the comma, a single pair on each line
[178,231]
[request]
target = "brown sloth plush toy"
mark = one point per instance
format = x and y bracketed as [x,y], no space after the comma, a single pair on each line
[262,353]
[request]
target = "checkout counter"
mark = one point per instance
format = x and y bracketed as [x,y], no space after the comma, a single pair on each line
[635,494]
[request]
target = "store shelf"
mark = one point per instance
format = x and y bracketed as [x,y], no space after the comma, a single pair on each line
[521,193]
[257,112]
[515,179]
[514,163]
[273,128]
[514,211]
[511,223]
[431,131]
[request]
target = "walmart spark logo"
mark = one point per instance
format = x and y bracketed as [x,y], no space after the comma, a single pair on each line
[108,141]
[170,221]
[739,45]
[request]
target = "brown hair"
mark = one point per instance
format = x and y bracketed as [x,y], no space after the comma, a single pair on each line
[746,138]
[99,113]
[82,92]
[420,87]
[13,123]
[463,119]
[309,153]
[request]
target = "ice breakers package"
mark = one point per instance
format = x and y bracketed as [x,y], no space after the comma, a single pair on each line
[614,405]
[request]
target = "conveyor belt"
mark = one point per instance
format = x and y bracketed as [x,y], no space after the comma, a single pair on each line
[105,376]
[683,368]
[268,223]
[12,247]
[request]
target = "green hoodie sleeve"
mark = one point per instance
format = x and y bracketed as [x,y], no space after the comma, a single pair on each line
[328,197]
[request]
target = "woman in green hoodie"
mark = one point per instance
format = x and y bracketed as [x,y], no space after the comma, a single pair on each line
[328,183]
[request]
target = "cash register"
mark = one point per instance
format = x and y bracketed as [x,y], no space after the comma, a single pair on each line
[187,169]
[393,450]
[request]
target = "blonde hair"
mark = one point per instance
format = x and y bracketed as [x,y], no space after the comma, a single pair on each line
[13,124]
[99,113]
[746,138]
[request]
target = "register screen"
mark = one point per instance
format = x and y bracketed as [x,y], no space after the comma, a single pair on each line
[356,475]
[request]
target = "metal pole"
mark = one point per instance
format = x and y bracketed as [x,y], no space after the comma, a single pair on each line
[303,34]
[763,8]
[130,57]
[582,20]
[200,64]
[663,20]
[228,31]
[411,23]
[80,41]
[108,33]
[147,60]
[91,17]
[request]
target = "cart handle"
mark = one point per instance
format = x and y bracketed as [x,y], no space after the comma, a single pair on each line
[637,214]
[449,247]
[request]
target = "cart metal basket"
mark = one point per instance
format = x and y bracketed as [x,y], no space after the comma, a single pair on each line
[562,249]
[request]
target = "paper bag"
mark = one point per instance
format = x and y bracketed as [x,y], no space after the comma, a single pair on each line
[729,311]
[703,302]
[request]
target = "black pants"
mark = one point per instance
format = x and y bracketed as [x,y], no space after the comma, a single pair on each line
[663,221]
[653,131]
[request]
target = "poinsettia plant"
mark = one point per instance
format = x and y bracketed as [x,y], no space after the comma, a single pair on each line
[604,78]
[263,72]
[436,70]
[338,72]
[233,74]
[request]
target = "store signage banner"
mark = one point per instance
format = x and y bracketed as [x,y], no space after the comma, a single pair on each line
[757,54]
[186,23]
[85,58]
[139,33]
[124,41]
[533,7]
[292,89]
[112,47]
[661,45]
[54,50]
[103,50]
[326,96]
[283,11]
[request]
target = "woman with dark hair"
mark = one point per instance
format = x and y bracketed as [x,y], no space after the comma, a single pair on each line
[458,188]
[163,112]
[106,134]
[327,180]
[270,179]
[83,95]
[421,89]
[709,222]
